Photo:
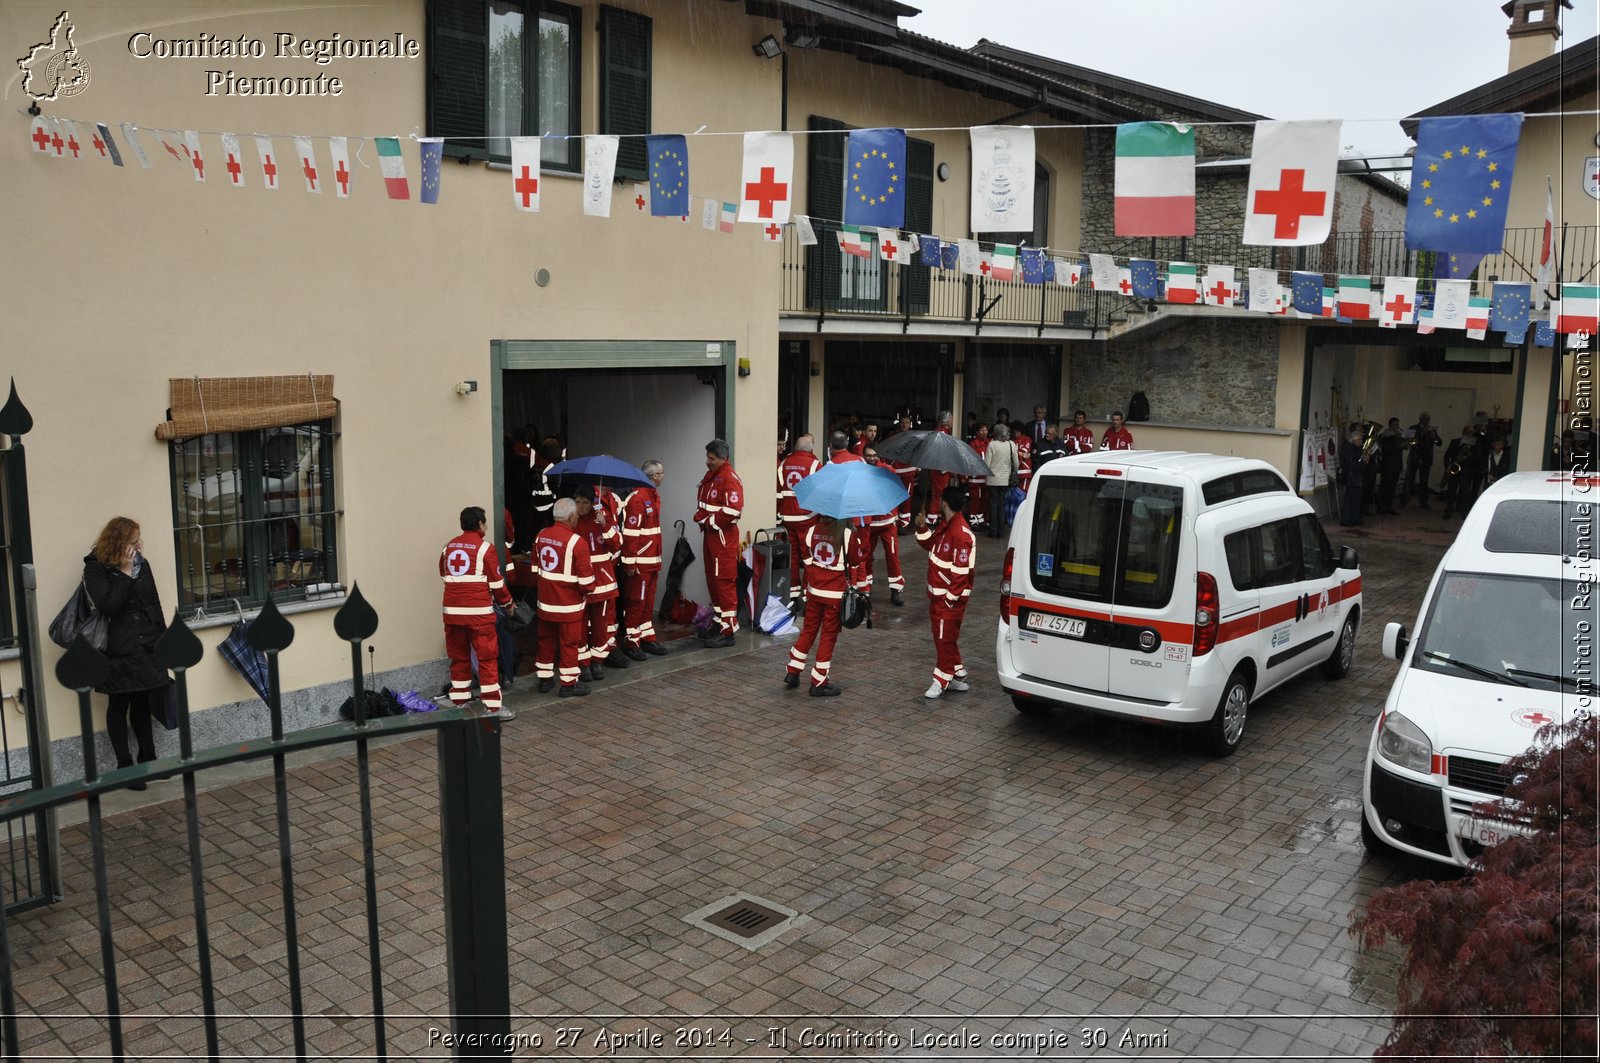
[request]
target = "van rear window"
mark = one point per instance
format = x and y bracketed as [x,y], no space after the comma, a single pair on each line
[1106,540]
[1542,526]
[1240,484]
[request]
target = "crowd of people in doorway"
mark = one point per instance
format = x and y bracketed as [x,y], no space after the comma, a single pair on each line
[1383,468]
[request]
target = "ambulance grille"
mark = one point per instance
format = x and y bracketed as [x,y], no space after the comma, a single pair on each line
[1483,776]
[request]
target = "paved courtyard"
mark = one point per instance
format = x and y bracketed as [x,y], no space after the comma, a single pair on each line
[971,882]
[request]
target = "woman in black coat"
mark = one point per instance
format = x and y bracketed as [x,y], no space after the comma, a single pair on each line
[119,581]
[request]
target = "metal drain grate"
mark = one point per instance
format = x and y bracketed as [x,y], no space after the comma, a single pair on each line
[746,920]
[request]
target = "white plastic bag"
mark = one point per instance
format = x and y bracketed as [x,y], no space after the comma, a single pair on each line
[776,618]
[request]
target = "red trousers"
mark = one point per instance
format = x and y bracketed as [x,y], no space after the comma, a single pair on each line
[946,622]
[822,616]
[720,555]
[460,642]
[889,536]
[796,530]
[564,639]
[638,599]
[601,618]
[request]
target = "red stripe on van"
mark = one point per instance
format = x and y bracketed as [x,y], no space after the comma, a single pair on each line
[1169,631]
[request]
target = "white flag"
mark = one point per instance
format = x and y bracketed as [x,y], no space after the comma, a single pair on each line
[231,161]
[1292,170]
[708,213]
[525,172]
[72,145]
[1103,275]
[599,167]
[1399,304]
[191,140]
[39,135]
[1217,288]
[1546,247]
[772,232]
[269,162]
[1002,179]
[1264,290]
[339,154]
[766,182]
[969,256]
[802,225]
[308,163]
[1066,272]
[130,135]
[1450,303]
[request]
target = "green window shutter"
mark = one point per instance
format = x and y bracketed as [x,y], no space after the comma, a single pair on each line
[458,58]
[625,85]
[919,219]
[825,203]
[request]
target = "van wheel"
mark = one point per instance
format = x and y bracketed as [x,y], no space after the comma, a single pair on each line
[1337,666]
[1226,729]
[1030,706]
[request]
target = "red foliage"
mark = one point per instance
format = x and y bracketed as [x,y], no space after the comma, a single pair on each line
[1506,960]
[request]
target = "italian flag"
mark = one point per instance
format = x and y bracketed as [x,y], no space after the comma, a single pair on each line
[1355,298]
[1576,310]
[850,242]
[1003,263]
[1477,317]
[1154,179]
[1183,283]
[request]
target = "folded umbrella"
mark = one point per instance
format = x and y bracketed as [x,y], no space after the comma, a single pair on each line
[850,489]
[682,558]
[600,469]
[933,450]
[249,661]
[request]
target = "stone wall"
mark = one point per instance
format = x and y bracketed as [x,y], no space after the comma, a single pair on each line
[1194,370]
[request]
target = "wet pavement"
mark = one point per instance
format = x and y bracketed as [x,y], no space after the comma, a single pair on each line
[971,882]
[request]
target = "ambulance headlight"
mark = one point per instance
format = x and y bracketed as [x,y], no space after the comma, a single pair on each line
[1402,742]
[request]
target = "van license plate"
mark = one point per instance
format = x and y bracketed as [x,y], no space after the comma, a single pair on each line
[1485,834]
[1071,627]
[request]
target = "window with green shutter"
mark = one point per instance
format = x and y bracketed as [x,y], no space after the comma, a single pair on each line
[919,219]
[825,203]
[625,86]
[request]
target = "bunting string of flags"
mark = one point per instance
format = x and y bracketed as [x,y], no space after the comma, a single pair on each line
[1460,183]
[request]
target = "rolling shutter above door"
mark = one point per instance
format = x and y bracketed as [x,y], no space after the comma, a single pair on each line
[625,86]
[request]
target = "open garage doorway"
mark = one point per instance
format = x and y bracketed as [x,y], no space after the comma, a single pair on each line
[875,381]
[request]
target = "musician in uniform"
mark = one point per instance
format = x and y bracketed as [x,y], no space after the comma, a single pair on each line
[1350,466]
[1419,462]
[1391,460]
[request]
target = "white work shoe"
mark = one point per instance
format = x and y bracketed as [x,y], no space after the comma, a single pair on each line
[960,685]
[934,691]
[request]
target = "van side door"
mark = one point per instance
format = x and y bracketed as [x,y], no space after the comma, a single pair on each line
[1321,612]
[1283,590]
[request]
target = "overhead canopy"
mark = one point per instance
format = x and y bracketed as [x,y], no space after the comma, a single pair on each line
[202,405]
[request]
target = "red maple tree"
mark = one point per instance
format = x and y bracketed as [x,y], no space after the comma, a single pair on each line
[1504,961]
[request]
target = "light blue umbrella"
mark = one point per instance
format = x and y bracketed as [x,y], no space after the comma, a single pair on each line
[850,489]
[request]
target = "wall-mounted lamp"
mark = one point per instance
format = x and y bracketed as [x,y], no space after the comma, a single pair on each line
[767,47]
[466,387]
[816,368]
[744,367]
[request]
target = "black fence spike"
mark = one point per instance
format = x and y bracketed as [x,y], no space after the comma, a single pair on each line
[356,619]
[270,632]
[178,647]
[15,420]
[82,667]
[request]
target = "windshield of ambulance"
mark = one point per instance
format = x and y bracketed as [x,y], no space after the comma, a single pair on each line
[1106,540]
[1514,630]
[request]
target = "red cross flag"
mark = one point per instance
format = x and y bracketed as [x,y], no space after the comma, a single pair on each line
[191,145]
[58,142]
[269,162]
[339,153]
[73,144]
[232,162]
[308,163]
[525,173]
[1292,170]
[766,186]
[1217,287]
[40,136]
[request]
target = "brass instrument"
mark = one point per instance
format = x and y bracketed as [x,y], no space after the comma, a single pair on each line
[1369,447]
[1453,469]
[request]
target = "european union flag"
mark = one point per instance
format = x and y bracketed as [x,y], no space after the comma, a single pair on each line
[1032,265]
[1306,290]
[1452,266]
[875,186]
[432,152]
[931,252]
[668,157]
[950,256]
[1461,183]
[1146,281]
[1509,312]
[1544,334]
[1050,270]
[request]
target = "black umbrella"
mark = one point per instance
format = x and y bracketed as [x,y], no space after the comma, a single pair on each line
[682,558]
[933,450]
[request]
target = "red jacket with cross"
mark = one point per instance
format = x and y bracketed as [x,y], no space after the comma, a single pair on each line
[473,585]
[561,557]
[952,554]
[719,504]
[641,529]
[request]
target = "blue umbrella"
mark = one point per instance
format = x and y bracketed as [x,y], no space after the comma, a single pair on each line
[249,661]
[601,469]
[850,489]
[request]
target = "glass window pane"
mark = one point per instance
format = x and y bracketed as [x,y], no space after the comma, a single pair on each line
[555,88]
[507,84]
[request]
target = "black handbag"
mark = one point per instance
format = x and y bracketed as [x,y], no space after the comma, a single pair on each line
[79,617]
[855,609]
[521,616]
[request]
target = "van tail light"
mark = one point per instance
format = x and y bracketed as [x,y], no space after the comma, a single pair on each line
[1206,619]
[1005,584]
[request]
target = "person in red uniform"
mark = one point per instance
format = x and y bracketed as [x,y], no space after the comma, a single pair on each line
[641,564]
[952,555]
[796,466]
[600,608]
[718,506]
[1117,437]
[473,589]
[884,529]
[832,552]
[561,557]
[907,473]
[868,437]
[977,486]
[1024,458]
[1080,437]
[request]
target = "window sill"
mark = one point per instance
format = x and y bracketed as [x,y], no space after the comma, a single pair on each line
[199,619]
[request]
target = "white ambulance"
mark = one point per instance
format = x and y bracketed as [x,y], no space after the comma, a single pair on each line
[1503,646]
[1171,587]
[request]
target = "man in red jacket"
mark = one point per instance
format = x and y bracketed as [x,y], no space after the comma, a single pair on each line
[1117,437]
[952,555]
[600,533]
[718,506]
[565,575]
[884,529]
[833,554]
[800,463]
[1080,437]
[641,564]
[473,589]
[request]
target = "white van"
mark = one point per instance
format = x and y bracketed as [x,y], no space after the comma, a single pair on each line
[1171,587]
[1502,648]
